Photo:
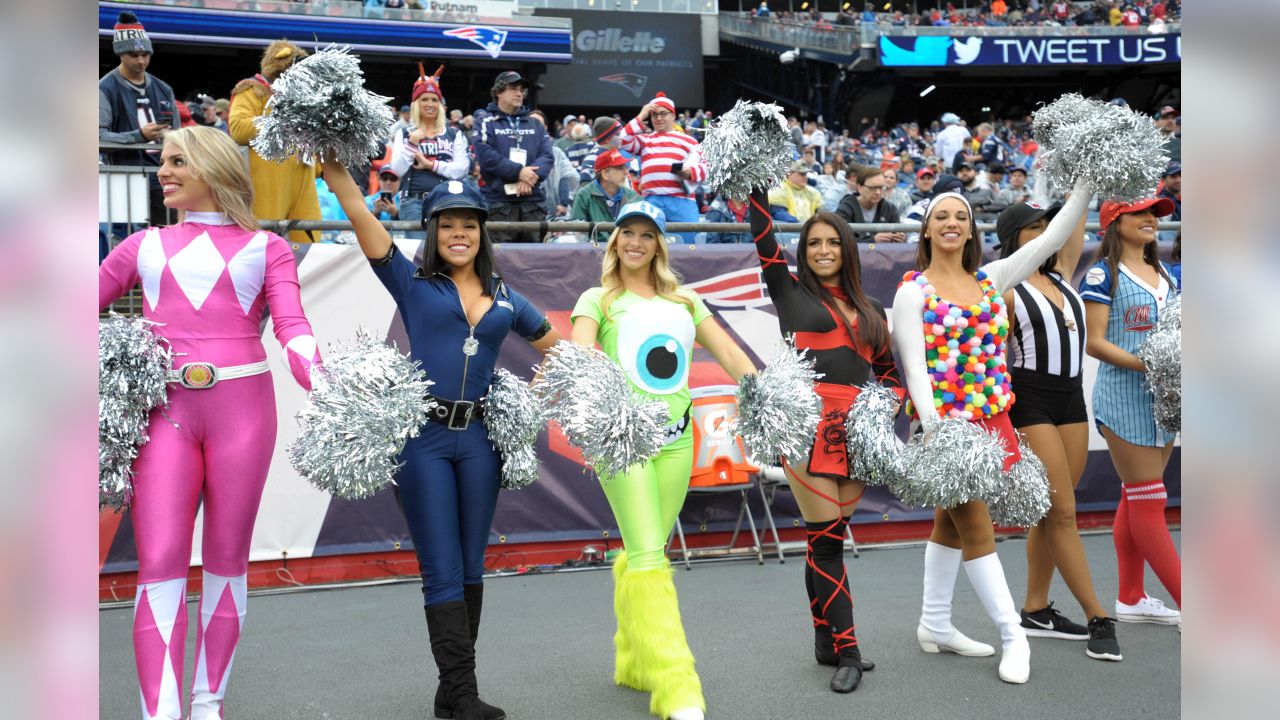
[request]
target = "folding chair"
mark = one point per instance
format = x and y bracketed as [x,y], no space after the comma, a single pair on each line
[776,478]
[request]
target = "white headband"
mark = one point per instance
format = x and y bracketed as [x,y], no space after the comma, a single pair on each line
[939,198]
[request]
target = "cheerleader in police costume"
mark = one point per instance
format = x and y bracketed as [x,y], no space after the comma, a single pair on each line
[1124,293]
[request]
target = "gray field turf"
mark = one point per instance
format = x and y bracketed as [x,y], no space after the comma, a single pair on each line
[546,650]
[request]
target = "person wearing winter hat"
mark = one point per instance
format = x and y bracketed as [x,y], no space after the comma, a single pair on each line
[670,161]
[430,151]
[135,106]
[284,190]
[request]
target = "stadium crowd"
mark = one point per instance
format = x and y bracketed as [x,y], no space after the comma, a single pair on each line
[577,167]
[1153,14]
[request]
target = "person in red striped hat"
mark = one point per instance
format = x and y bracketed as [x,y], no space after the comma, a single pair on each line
[670,161]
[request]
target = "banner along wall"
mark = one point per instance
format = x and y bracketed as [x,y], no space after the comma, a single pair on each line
[340,294]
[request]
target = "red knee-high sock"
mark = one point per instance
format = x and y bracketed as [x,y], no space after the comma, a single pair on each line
[1150,533]
[1128,556]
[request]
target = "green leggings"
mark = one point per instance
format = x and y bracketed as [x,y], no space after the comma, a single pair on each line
[646,500]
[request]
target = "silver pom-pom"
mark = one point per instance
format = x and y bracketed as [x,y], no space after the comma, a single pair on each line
[514,417]
[778,409]
[134,364]
[1023,496]
[875,451]
[749,147]
[959,462]
[367,400]
[1118,152]
[588,395]
[320,107]
[1161,352]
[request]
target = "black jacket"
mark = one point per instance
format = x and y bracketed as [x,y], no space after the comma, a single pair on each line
[849,210]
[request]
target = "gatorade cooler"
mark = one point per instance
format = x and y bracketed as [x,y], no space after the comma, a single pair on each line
[718,457]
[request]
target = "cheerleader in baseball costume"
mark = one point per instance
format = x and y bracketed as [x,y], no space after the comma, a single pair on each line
[1046,350]
[1124,293]
[847,334]
[647,323]
[207,282]
[953,309]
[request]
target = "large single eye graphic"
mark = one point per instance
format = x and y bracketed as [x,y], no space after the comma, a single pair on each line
[654,341]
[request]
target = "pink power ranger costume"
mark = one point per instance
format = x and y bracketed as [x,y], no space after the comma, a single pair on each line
[208,282]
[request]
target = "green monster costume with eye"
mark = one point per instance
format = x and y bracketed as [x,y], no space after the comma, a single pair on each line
[652,340]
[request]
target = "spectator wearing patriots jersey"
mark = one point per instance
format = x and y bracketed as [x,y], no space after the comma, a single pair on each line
[515,158]
[427,152]
[667,160]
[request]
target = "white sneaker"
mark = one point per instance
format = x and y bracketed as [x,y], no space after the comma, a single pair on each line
[687,714]
[1148,610]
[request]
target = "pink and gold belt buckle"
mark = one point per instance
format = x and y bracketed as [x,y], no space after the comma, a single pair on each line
[198,375]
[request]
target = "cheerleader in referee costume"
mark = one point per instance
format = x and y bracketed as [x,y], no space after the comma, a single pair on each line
[457,312]
[1046,349]
[1124,293]
[847,334]
[952,284]
[207,282]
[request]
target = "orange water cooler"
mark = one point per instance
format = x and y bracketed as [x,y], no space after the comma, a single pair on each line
[718,457]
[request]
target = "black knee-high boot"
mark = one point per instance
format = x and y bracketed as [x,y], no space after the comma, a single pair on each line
[449,626]
[473,596]
[834,601]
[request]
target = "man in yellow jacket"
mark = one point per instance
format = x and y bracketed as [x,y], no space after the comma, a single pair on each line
[284,190]
[795,194]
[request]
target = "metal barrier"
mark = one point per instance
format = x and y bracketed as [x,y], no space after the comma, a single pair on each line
[575,226]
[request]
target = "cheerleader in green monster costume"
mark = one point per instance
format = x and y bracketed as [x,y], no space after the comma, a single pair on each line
[647,323]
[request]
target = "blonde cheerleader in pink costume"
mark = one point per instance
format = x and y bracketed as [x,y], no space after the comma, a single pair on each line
[949,326]
[208,281]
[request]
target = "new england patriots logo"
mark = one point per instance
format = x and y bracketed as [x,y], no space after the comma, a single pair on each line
[491,39]
[631,82]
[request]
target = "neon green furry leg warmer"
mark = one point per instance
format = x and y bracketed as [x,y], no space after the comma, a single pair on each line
[649,618]
[624,666]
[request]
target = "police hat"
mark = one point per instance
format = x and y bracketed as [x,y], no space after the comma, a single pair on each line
[453,195]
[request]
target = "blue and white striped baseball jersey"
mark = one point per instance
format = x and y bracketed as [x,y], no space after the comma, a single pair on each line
[1121,399]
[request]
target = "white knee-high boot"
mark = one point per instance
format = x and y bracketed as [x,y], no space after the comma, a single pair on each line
[935,631]
[987,576]
[222,611]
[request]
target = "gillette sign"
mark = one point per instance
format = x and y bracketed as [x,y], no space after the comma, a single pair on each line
[945,51]
[620,59]
[612,40]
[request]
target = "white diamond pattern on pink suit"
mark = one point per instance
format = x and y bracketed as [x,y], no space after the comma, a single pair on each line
[197,268]
[151,262]
[248,270]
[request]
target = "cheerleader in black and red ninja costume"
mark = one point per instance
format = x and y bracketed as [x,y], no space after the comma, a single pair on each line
[847,334]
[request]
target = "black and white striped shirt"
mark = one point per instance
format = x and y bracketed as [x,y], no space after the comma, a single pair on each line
[1044,338]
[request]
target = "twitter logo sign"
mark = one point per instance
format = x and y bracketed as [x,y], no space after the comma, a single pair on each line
[929,51]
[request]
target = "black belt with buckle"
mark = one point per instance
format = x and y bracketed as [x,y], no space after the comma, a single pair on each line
[455,414]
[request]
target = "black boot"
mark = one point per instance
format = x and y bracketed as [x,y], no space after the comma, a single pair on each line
[473,595]
[848,671]
[450,631]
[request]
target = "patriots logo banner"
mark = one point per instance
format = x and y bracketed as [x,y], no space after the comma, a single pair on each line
[491,39]
[631,82]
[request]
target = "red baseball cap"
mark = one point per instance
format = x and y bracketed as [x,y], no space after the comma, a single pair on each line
[1111,209]
[925,171]
[609,158]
